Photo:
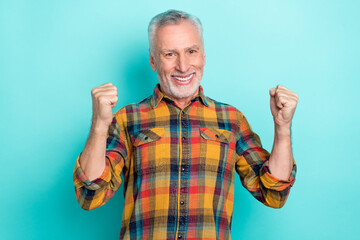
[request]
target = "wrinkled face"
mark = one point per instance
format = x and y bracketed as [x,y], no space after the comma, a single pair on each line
[178,57]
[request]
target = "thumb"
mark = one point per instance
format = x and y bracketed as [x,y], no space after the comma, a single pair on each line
[272,92]
[273,107]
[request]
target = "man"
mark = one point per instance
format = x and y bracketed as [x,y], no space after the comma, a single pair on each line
[178,149]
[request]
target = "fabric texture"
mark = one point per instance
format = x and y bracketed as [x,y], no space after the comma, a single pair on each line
[178,168]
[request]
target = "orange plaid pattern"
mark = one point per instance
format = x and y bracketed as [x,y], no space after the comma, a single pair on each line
[178,167]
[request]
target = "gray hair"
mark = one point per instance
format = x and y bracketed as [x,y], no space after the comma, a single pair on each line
[171,17]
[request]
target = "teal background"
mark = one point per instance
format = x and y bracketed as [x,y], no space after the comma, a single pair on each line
[52,53]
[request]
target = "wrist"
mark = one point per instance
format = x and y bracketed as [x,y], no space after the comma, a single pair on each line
[99,128]
[283,131]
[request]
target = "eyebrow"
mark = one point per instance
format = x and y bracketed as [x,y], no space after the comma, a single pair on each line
[193,47]
[175,50]
[168,50]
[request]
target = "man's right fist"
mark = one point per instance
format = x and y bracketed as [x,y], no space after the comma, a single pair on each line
[104,98]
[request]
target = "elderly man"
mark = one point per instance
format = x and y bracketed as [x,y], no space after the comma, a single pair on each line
[178,149]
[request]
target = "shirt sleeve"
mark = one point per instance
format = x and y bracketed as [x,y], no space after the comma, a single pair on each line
[252,165]
[93,194]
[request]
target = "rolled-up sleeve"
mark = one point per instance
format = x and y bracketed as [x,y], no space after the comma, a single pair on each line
[93,194]
[252,165]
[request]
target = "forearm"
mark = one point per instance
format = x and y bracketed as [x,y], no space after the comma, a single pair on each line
[92,160]
[281,158]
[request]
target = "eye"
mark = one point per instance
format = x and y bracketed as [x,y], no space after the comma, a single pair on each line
[170,54]
[192,51]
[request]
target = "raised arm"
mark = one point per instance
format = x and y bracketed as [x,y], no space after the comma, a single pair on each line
[92,159]
[283,104]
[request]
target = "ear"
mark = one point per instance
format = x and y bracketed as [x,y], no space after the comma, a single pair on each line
[152,61]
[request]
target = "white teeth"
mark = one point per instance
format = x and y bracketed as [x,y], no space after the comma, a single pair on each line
[183,79]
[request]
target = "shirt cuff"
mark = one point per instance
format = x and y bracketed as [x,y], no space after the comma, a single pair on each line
[271,182]
[81,180]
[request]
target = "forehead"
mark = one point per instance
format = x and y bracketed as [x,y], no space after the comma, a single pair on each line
[178,36]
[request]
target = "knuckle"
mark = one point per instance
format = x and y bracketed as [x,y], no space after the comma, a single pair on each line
[101,98]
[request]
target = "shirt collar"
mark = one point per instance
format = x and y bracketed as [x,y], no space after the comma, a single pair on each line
[158,96]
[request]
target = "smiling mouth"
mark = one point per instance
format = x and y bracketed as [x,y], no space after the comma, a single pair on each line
[183,80]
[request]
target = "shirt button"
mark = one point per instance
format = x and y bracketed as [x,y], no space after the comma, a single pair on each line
[182,203]
[182,169]
[217,136]
[179,236]
[183,138]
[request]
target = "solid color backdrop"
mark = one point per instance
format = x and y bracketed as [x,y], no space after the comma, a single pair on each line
[52,53]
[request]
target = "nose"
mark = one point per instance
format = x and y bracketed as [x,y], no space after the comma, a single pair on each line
[183,64]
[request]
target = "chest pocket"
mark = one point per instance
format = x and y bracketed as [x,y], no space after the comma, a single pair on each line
[218,135]
[147,136]
[214,148]
[148,146]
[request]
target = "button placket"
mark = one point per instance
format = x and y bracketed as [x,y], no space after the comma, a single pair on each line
[183,176]
[184,125]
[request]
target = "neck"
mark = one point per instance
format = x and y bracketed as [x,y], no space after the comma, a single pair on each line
[182,102]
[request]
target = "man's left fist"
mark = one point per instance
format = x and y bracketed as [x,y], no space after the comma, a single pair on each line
[283,104]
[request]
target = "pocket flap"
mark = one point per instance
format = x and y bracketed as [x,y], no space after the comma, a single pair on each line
[215,134]
[148,135]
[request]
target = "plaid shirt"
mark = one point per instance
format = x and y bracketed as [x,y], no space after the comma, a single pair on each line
[178,167]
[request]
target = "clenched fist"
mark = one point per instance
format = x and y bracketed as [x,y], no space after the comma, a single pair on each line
[104,98]
[283,104]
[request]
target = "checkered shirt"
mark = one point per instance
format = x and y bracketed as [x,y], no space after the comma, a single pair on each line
[178,168]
